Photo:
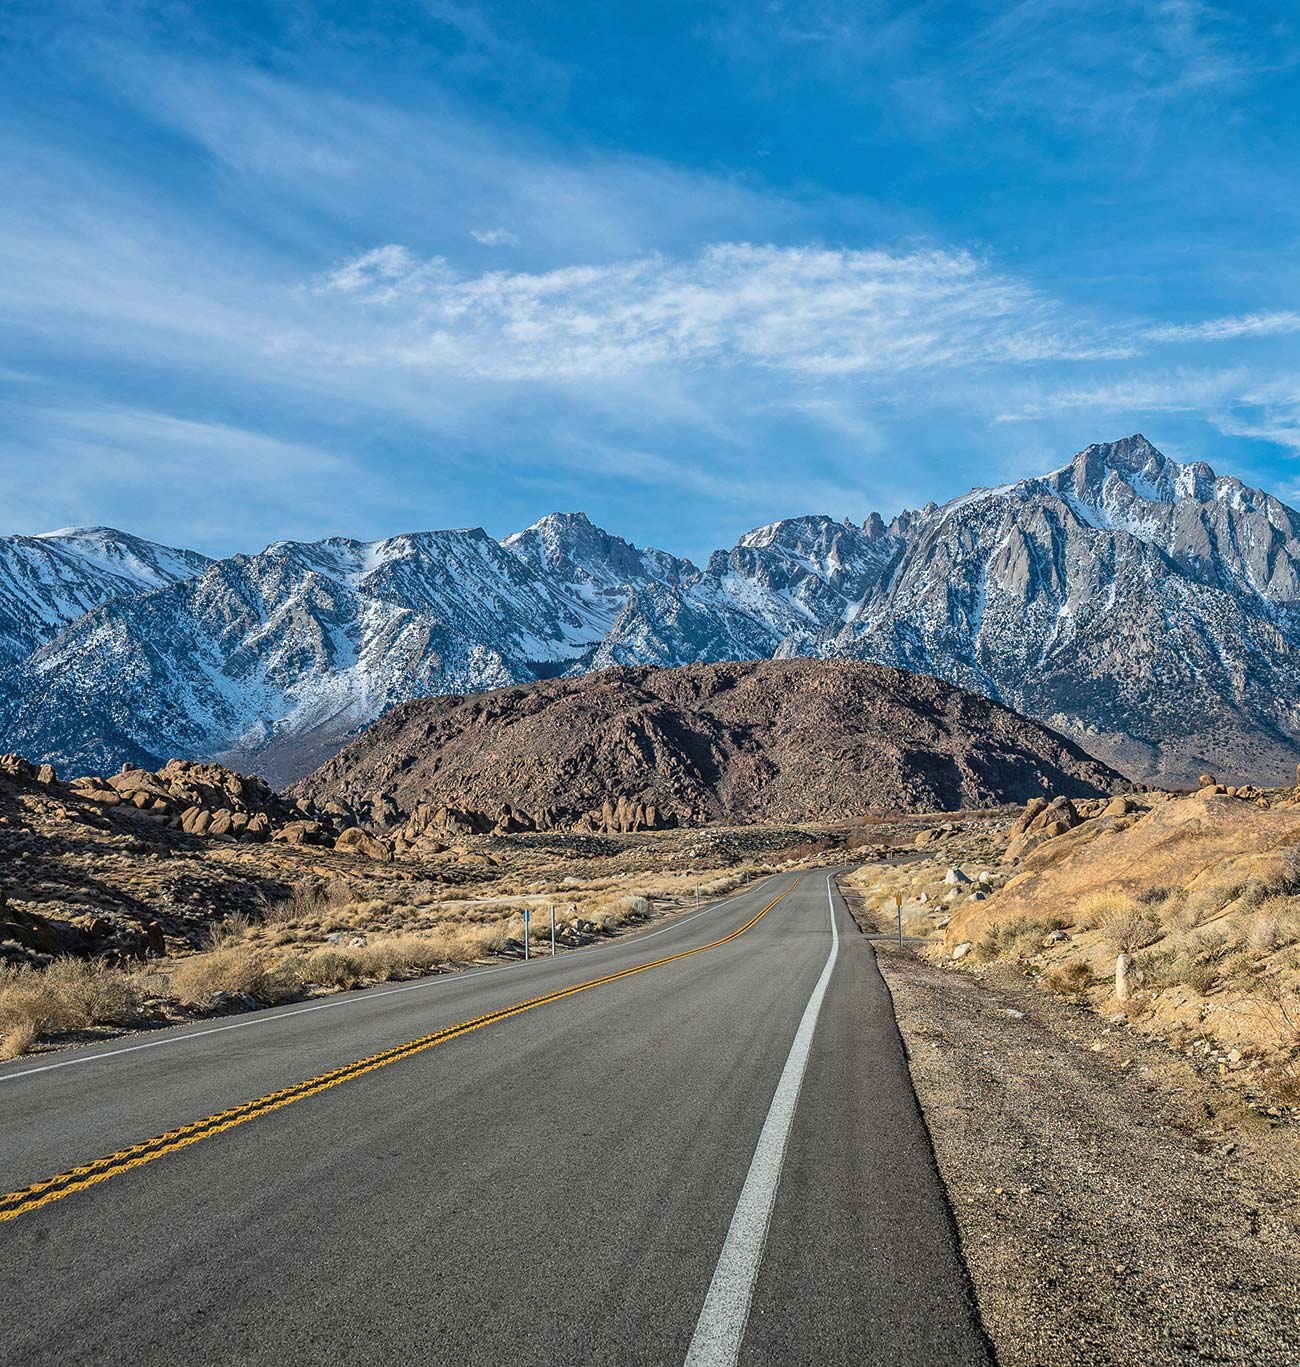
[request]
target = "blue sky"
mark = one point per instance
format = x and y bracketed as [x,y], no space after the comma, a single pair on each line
[299,270]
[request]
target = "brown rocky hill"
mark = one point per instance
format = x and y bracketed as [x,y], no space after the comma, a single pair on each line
[638,748]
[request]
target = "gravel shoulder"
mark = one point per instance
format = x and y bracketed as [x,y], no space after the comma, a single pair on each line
[1115,1207]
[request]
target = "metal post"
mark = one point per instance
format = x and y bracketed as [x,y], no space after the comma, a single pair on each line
[527,919]
[898,901]
[552,930]
[697,899]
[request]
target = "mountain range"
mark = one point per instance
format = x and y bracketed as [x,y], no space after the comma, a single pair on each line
[1147,608]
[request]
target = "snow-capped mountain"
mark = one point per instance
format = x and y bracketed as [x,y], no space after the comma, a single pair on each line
[1148,608]
[48,581]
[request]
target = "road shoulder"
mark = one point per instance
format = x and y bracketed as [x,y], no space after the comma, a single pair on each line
[1113,1206]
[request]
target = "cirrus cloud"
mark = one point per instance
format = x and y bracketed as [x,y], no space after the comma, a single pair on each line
[1227,329]
[810,310]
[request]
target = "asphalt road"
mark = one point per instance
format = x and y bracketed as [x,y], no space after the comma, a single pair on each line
[717,1159]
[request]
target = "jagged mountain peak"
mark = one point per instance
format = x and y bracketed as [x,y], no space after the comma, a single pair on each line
[590,559]
[1133,469]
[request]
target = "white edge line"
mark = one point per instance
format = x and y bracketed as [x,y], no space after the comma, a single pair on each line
[721,1326]
[270,1018]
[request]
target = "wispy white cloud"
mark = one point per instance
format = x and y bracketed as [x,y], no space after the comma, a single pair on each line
[1055,58]
[1225,329]
[807,310]
[494,237]
[1179,391]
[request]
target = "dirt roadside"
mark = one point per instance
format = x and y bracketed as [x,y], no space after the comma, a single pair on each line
[1114,1206]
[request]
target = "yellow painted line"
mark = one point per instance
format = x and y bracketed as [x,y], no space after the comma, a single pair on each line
[16,1203]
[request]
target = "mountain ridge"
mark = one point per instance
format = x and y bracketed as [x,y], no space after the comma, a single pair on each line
[1148,608]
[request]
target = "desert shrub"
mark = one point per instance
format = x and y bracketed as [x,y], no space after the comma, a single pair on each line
[1199,963]
[1067,979]
[1018,937]
[1213,945]
[1274,925]
[238,969]
[1286,878]
[231,930]
[1154,896]
[71,994]
[403,956]
[1159,967]
[617,911]
[1096,907]
[1282,1081]
[331,968]
[468,942]
[1254,895]
[17,1040]
[1125,926]
[1201,977]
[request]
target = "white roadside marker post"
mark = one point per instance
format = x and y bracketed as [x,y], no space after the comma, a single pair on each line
[527,918]
[552,930]
[697,899]
[898,902]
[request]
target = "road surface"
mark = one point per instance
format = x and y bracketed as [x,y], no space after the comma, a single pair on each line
[694,1145]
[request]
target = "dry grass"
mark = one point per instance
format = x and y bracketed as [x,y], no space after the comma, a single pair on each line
[1067,979]
[233,930]
[238,970]
[331,968]
[388,930]
[1019,938]
[17,1040]
[71,994]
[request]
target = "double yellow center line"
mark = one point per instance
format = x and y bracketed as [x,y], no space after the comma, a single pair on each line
[16,1203]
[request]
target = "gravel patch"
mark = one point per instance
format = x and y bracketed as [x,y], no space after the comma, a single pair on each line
[1114,1206]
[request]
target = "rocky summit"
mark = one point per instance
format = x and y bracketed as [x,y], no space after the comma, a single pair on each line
[631,749]
[1149,609]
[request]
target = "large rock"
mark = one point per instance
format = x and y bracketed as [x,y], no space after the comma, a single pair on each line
[300,833]
[356,841]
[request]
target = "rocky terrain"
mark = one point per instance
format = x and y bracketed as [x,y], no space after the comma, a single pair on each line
[1175,914]
[1149,609]
[640,749]
[1100,1001]
[149,897]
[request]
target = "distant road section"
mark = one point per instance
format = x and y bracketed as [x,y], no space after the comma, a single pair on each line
[694,1145]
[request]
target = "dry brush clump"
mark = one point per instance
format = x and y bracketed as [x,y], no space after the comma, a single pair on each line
[17,1040]
[68,995]
[237,970]
[1067,979]
[1020,937]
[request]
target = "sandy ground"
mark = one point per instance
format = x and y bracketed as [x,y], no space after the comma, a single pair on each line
[1115,1207]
